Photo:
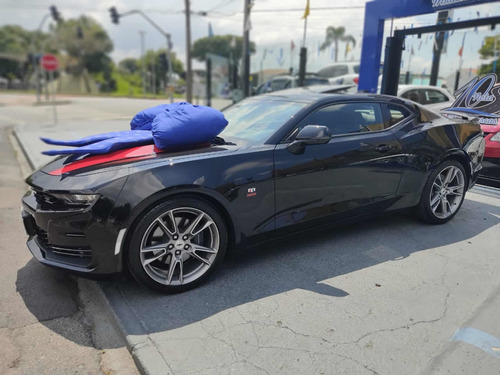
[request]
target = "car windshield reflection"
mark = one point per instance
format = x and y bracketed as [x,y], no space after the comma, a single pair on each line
[253,121]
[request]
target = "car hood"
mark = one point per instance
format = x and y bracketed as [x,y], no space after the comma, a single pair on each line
[78,165]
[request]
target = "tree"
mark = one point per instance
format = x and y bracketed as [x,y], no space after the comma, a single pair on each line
[15,44]
[335,35]
[129,65]
[85,41]
[157,61]
[219,45]
[487,51]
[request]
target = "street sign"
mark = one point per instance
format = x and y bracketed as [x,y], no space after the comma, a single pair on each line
[49,62]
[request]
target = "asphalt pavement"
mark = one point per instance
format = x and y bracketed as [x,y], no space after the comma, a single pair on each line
[387,296]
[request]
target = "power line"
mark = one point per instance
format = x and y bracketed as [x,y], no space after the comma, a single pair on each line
[302,9]
[223,3]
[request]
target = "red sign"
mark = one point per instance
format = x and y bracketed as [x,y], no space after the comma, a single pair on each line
[49,62]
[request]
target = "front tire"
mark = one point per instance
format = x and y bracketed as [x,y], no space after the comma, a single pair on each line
[443,193]
[177,245]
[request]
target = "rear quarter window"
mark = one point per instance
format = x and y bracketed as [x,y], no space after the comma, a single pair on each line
[395,114]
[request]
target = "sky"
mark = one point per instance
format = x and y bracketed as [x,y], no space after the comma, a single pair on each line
[275,24]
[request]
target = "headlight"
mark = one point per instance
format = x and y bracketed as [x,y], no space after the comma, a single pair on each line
[495,138]
[80,199]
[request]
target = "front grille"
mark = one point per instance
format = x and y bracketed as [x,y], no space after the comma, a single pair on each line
[78,252]
[42,236]
[76,256]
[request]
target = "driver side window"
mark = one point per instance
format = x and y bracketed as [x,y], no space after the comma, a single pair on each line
[346,118]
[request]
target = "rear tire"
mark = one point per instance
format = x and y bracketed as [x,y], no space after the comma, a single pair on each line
[177,245]
[443,193]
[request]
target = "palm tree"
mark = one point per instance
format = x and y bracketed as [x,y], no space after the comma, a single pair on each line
[334,35]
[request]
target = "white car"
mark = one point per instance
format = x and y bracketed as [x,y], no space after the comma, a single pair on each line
[344,73]
[435,98]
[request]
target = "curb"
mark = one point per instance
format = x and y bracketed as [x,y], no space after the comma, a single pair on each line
[49,103]
[146,356]
[486,190]
[23,149]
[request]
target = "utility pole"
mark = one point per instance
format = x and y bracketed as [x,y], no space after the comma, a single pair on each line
[246,48]
[143,63]
[189,72]
[153,70]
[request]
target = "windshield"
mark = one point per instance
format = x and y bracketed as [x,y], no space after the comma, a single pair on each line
[255,120]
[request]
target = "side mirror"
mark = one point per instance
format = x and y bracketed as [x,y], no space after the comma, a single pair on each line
[310,135]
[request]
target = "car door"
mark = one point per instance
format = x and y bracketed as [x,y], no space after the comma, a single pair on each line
[357,170]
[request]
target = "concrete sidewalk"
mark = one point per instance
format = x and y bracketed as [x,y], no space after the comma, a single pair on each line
[391,296]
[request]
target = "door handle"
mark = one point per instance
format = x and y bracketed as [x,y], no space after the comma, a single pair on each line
[383,148]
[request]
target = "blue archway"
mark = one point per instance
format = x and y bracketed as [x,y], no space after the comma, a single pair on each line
[376,12]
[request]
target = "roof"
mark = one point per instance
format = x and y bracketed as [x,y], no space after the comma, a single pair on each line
[311,94]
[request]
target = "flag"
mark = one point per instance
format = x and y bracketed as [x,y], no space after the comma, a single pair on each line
[264,54]
[292,45]
[420,45]
[306,11]
[280,59]
[210,31]
[412,52]
[347,49]
[461,50]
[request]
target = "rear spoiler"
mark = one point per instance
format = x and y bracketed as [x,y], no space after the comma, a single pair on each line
[460,116]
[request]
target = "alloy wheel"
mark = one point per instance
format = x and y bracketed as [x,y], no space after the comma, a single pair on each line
[447,192]
[179,246]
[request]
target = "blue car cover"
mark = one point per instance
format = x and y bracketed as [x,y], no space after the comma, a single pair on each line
[144,119]
[167,126]
[87,140]
[125,139]
[186,124]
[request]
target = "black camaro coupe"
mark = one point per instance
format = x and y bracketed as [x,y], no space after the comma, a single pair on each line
[286,162]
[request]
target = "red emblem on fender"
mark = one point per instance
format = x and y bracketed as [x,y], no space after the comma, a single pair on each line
[251,192]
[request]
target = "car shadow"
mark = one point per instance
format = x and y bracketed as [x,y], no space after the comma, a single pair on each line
[51,296]
[303,261]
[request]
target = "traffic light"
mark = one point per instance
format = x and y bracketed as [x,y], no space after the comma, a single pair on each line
[79,32]
[169,42]
[115,17]
[55,13]
[162,60]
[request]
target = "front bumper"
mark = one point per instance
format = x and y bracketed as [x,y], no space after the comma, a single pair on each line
[76,240]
